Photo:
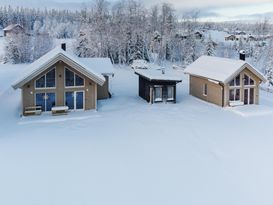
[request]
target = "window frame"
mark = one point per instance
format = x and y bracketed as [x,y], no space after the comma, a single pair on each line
[234,98]
[157,87]
[234,79]
[78,86]
[249,79]
[205,89]
[45,100]
[46,88]
[173,95]
[75,99]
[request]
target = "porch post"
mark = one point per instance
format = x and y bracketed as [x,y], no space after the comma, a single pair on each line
[151,95]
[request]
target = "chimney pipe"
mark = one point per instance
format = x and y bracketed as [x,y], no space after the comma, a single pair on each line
[242,55]
[63,46]
[163,70]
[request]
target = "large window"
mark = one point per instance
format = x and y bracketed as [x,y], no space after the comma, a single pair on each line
[158,94]
[236,81]
[47,80]
[170,93]
[248,80]
[46,100]
[74,100]
[234,94]
[72,79]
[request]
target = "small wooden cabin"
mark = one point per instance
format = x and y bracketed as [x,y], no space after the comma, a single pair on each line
[157,85]
[224,82]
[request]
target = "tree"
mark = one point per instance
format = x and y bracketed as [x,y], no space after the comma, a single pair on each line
[210,48]
[82,45]
[189,50]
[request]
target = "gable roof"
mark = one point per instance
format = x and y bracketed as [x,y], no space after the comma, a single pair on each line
[52,57]
[100,65]
[12,26]
[219,69]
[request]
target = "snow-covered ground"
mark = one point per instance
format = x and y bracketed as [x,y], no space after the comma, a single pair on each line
[217,36]
[132,153]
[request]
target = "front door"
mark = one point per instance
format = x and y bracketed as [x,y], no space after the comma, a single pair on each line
[249,96]
[74,100]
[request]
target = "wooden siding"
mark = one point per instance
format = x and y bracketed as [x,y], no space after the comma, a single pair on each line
[214,91]
[29,91]
[216,95]
[103,91]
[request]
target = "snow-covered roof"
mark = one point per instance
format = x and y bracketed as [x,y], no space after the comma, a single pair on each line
[219,69]
[11,26]
[157,74]
[51,58]
[100,65]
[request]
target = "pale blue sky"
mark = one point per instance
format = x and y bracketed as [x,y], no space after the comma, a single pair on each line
[217,10]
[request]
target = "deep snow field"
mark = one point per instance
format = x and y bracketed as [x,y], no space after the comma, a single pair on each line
[132,153]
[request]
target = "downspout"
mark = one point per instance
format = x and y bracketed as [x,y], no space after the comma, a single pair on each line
[151,95]
[223,94]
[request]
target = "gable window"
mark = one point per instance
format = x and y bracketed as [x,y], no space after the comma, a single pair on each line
[248,80]
[47,80]
[205,89]
[72,79]
[235,81]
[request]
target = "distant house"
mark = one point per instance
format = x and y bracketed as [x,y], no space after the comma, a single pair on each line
[157,85]
[224,82]
[60,80]
[13,29]
[198,35]
[230,38]
[251,38]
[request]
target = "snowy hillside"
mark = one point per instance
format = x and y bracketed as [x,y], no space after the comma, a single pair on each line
[131,152]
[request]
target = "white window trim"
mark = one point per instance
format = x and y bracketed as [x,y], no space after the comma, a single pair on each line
[249,86]
[81,86]
[44,99]
[75,91]
[234,89]
[254,95]
[158,99]
[46,88]
[173,92]
[234,86]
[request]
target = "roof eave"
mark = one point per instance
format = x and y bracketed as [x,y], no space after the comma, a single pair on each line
[220,81]
[251,68]
[54,60]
